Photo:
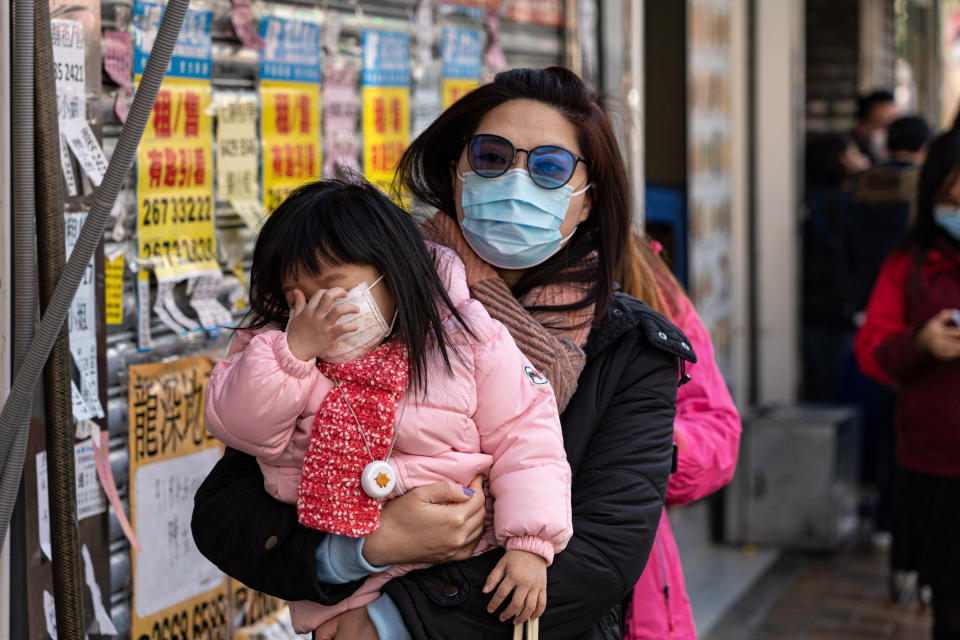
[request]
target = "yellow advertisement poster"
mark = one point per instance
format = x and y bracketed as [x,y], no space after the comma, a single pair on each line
[386,127]
[456,88]
[175,224]
[386,103]
[177,593]
[175,208]
[113,288]
[291,138]
[290,95]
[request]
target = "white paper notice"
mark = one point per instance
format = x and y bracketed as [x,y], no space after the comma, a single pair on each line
[251,212]
[83,143]
[70,73]
[212,314]
[170,569]
[90,498]
[167,310]
[67,165]
[104,623]
[144,334]
[50,614]
[43,505]
[83,330]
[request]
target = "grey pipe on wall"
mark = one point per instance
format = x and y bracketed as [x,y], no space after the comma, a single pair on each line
[57,398]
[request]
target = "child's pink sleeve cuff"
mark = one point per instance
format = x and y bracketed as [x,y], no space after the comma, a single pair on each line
[289,362]
[532,544]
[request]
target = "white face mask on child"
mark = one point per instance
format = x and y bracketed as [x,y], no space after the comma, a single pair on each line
[371,326]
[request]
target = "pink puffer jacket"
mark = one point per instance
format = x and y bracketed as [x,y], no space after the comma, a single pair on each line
[708,439]
[494,415]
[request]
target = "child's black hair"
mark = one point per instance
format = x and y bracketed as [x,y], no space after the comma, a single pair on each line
[339,222]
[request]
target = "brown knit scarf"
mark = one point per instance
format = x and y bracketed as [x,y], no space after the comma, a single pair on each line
[552,341]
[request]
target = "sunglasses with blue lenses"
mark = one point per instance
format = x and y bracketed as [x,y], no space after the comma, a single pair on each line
[550,167]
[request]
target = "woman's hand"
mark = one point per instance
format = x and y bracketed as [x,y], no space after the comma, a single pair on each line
[432,524]
[940,337]
[349,625]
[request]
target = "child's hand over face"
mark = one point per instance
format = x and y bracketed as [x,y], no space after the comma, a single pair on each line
[313,327]
[525,574]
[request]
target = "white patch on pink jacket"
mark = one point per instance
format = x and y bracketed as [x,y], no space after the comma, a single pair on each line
[491,417]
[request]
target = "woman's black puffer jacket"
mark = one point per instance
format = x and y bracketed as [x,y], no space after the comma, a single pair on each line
[618,435]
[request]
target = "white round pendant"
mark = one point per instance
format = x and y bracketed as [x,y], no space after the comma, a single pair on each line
[378,479]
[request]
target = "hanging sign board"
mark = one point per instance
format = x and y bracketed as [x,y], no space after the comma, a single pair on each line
[462,53]
[176,591]
[290,95]
[386,104]
[175,224]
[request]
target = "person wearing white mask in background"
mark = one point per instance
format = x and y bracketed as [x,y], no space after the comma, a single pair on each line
[876,111]
[911,339]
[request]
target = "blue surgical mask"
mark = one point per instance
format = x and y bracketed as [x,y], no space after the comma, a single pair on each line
[947,216]
[511,221]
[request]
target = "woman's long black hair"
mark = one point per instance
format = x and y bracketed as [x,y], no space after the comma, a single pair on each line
[338,222]
[943,159]
[424,172]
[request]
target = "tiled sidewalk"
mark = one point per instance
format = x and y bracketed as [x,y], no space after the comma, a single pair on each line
[820,597]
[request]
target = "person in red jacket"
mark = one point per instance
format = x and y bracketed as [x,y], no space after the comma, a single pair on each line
[911,339]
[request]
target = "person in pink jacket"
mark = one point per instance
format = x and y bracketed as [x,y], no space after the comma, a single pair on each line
[707,435]
[369,393]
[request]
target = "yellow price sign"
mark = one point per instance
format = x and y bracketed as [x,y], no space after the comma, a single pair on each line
[113,289]
[291,138]
[456,88]
[386,132]
[175,223]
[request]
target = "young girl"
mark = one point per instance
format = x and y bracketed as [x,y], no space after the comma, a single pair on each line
[387,377]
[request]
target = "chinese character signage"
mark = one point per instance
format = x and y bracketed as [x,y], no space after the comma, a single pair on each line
[238,155]
[175,223]
[83,332]
[462,52]
[290,95]
[386,103]
[176,591]
[191,54]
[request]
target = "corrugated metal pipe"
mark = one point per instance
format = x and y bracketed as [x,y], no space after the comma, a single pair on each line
[58,401]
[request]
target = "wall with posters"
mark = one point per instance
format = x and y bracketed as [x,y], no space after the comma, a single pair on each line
[256,102]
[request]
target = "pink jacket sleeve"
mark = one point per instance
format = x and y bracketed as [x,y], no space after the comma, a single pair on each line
[257,393]
[707,425]
[520,428]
